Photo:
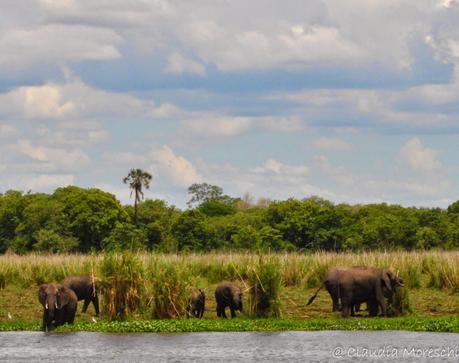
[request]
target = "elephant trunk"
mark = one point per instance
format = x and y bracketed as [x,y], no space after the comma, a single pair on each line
[50,307]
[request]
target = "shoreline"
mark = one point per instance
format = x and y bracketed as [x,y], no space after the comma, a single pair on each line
[417,324]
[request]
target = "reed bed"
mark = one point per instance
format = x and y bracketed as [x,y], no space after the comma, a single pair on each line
[159,284]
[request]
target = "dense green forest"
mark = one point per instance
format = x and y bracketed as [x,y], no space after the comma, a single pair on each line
[74,219]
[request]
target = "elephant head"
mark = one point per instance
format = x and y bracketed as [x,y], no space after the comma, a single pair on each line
[390,280]
[237,300]
[53,297]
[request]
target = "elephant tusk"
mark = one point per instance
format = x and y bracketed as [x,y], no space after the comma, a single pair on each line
[46,306]
[55,305]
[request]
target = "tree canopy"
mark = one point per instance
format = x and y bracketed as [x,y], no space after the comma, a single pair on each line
[74,219]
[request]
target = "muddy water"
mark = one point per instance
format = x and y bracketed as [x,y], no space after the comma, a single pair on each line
[235,347]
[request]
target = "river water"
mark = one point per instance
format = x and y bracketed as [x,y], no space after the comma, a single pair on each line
[323,346]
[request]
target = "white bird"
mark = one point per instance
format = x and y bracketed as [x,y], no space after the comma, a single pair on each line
[9,316]
[94,320]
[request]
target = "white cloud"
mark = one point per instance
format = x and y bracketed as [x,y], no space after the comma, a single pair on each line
[125,158]
[55,43]
[35,182]
[331,144]
[73,101]
[178,64]
[275,167]
[218,125]
[45,182]
[45,102]
[174,167]
[7,131]
[368,187]
[419,157]
[272,179]
[56,160]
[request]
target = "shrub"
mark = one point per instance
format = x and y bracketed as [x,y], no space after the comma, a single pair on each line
[122,281]
[168,289]
[266,284]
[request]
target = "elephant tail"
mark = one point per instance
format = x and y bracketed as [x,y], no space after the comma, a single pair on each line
[315,295]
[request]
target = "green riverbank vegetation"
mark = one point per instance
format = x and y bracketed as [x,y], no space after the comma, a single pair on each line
[149,291]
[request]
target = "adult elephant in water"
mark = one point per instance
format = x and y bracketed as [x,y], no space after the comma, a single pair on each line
[370,285]
[85,289]
[59,305]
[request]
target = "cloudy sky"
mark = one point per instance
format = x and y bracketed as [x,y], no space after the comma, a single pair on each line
[353,101]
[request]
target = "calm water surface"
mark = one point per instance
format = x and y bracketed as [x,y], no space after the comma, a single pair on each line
[324,346]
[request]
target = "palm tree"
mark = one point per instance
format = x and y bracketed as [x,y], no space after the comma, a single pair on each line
[137,179]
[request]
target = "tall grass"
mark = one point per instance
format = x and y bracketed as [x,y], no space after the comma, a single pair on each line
[122,278]
[158,284]
[265,287]
[168,288]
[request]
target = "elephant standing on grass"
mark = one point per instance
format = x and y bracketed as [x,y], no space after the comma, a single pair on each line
[85,289]
[59,304]
[228,294]
[371,285]
[331,283]
[197,303]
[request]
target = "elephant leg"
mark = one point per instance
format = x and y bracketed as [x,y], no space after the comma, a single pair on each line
[201,313]
[372,309]
[381,301]
[70,318]
[85,305]
[45,326]
[58,318]
[346,312]
[233,313]
[95,302]
[333,291]
[336,304]
[347,307]
[224,313]
[221,311]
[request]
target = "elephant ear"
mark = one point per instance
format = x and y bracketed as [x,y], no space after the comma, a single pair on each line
[42,294]
[64,296]
[386,278]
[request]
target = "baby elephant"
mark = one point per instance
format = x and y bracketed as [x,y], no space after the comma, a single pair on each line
[59,303]
[85,289]
[228,294]
[197,303]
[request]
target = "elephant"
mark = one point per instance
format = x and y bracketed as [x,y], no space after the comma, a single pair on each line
[59,303]
[228,294]
[331,283]
[196,303]
[85,289]
[370,285]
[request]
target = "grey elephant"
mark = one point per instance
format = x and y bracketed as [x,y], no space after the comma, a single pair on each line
[370,285]
[197,303]
[85,289]
[59,305]
[229,295]
[331,284]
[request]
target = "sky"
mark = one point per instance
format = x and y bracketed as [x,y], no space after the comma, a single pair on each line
[352,101]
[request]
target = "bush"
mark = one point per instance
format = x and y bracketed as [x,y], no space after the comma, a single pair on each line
[168,290]
[265,280]
[123,284]
[401,304]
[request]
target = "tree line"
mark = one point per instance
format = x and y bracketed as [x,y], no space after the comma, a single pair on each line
[74,219]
